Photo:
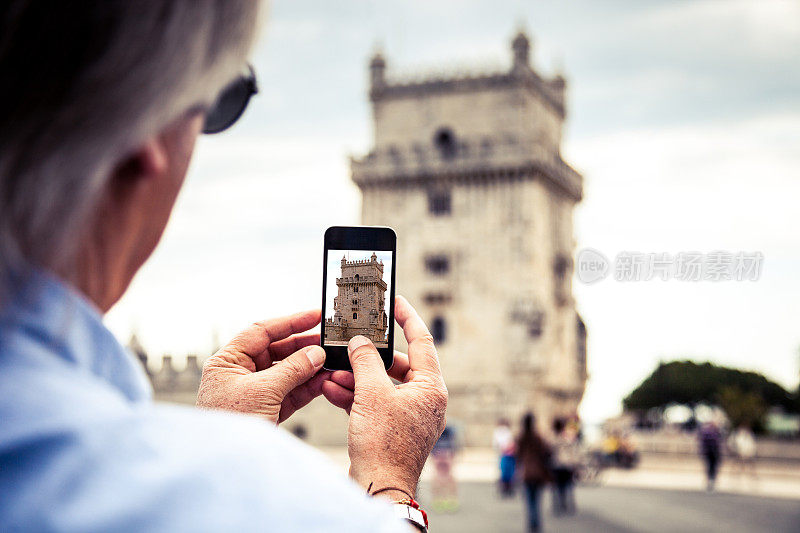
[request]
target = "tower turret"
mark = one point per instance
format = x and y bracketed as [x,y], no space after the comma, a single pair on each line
[520,47]
[377,72]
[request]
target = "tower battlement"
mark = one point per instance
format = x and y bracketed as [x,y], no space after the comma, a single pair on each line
[372,261]
[479,127]
[384,85]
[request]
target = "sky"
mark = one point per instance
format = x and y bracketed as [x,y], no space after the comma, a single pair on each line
[683,117]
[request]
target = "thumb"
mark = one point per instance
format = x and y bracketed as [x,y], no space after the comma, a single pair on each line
[295,370]
[367,364]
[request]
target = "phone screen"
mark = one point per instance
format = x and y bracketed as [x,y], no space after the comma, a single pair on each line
[358,291]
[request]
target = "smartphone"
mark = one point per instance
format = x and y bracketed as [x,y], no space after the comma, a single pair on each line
[358,271]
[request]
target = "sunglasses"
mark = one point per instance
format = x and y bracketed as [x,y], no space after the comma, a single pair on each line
[231,102]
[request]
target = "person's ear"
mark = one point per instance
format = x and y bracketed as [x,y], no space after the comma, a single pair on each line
[147,163]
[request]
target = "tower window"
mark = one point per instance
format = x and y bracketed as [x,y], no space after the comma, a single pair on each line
[445,142]
[355,316]
[561,267]
[356,278]
[439,203]
[439,329]
[355,289]
[437,298]
[355,301]
[437,264]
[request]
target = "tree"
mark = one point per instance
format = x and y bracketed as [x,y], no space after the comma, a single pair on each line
[743,408]
[689,383]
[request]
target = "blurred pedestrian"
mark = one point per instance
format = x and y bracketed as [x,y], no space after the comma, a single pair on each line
[566,458]
[743,445]
[610,448]
[444,487]
[574,425]
[710,440]
[628,451]
[533,456]
[503,444]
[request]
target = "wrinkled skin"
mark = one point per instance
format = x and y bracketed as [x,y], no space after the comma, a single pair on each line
[269,370]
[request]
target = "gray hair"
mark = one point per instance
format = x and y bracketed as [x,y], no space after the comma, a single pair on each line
[82,85]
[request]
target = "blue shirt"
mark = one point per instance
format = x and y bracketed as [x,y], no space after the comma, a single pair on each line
[84,448]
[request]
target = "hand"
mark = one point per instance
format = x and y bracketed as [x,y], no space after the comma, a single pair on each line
[392,427]
[270,369]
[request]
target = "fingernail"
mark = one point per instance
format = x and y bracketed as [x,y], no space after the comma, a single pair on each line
[316,355]
[356,342]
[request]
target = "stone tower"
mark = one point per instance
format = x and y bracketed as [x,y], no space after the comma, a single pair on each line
[467,170]
[359,307]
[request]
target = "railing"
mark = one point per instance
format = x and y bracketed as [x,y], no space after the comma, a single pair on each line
[361,279]
[469,155]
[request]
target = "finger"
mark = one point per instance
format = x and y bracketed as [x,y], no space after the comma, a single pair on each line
[400,369]
[338,395]
[367,364]
[344,379]
[293,371]
[421,350]
[255,340]
[302,395]
[280,349]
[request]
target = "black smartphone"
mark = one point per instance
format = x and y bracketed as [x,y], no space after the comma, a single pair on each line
[358,266]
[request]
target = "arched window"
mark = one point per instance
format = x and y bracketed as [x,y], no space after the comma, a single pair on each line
[439,202]
[439,329]
[356,278]
[355,316]
[445,142]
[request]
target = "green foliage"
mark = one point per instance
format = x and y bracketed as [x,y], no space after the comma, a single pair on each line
[743,408]
[689,383]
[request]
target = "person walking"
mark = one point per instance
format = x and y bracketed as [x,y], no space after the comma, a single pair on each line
[533,455]
[444,487]
[710,440]
[565,460]
[503,444]
[743,444]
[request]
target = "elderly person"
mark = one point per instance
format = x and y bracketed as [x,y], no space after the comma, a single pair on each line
[102,104]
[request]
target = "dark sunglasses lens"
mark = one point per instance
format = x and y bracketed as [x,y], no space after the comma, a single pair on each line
[229,106]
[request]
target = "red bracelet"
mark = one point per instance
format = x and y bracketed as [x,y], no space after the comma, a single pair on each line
[411,502]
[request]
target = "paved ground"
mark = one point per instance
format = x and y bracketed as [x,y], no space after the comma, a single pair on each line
[613,509]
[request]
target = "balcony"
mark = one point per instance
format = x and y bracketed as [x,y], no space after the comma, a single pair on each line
[468,158]
[361,280]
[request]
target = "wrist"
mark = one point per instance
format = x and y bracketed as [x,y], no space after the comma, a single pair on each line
[405,506]
[402,484]
[394,494]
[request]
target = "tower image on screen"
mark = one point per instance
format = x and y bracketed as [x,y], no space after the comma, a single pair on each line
[359,307]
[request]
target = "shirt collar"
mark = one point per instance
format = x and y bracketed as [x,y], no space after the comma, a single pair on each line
[44,308]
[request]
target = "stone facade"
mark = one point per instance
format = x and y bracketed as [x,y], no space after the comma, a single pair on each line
[468,172]
[359,307]
[170,384]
